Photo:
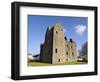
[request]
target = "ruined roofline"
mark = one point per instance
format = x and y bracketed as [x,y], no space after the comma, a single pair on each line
[69,40]
[57,23]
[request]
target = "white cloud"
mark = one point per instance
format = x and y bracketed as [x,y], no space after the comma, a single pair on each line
[80,29]
[65,30]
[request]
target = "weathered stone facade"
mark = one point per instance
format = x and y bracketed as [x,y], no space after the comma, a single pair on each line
[56,48]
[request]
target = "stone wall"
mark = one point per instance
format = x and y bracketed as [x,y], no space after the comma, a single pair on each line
[56,48]
[58,44]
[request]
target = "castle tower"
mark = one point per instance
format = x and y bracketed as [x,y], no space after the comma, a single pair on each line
[46,47]
[58,44]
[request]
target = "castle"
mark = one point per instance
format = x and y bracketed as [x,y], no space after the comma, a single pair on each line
[57,48]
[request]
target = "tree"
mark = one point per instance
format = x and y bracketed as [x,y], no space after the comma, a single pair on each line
[84,49]
[83,53]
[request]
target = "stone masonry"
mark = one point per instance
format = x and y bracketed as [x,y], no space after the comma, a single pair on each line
[56,47]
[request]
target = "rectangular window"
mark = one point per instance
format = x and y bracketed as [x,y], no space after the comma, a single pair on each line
[71,46]
[73,55]
[56,32]
[67,46]
[59,60]
[56,50]
[66,53]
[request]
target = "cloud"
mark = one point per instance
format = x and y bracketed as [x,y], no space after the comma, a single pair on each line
[65,30]
[80,29]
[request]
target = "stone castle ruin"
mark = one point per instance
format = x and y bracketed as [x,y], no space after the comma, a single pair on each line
[57,48]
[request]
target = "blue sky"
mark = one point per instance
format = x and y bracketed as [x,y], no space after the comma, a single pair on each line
[74,27]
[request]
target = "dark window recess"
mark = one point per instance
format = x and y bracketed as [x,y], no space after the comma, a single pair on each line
[71,46]
[66,53]
[67,46]
[73,55]
[56,32]
[56,50]
[59,60]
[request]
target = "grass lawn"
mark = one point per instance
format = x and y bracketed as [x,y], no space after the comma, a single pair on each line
[47,64]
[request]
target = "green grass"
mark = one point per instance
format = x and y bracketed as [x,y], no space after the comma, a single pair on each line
[47,64]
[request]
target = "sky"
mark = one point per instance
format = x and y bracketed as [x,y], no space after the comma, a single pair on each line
[74,27]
